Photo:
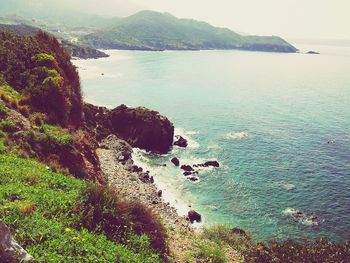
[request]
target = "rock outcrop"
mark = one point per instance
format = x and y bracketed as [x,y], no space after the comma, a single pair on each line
[194,216]
[175,161]
[140,127]
[181,141]
[312,52]
[208,164]
[10,250]
[187,168]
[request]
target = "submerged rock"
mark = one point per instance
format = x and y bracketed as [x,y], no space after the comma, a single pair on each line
[181,142]
[175,161]
[193,178]
[194,216]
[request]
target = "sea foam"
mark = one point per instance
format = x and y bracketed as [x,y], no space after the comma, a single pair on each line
[237,135]
[192,144]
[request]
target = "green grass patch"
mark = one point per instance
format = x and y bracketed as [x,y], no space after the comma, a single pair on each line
[40,208]
[3,109]
[57,135]
[9,92]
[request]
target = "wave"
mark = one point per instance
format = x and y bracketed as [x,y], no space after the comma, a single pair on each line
[192,144]
[237,135]
[287,186]
[300,217]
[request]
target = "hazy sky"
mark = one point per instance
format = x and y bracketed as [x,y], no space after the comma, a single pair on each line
[288,18]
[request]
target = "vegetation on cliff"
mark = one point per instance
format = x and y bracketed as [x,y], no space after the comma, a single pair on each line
[79,51]
[40,69]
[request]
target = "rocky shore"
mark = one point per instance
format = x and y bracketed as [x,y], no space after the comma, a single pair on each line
[133,184]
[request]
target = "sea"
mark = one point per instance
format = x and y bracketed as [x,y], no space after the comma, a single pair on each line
[278,124]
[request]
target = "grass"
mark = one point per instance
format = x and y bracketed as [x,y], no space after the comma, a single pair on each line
[40,208]
[56,135]
[3,109]
[289,251]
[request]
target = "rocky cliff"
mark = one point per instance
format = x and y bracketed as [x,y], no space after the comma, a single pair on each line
[140,127]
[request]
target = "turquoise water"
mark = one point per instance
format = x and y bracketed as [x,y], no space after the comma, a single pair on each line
[267,118]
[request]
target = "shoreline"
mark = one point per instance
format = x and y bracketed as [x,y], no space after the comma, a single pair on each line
[132,183]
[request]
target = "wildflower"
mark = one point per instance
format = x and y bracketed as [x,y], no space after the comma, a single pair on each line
[67,230]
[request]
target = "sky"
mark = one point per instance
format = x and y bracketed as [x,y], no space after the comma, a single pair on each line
[324,19]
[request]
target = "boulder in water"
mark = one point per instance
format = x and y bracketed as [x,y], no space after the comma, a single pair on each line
[175,161]
[187,168]
[181,142]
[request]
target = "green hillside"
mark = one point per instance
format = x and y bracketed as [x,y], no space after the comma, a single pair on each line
[149,30]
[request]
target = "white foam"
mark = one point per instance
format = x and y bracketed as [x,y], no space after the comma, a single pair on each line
[168,193]
[192,144]
[302,218]
[289,211]
[237,135]
[287,186]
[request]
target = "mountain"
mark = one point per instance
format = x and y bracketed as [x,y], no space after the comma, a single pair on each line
[149,30]
[145,30]
[73,49]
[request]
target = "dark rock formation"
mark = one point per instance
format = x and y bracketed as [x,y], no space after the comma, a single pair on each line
[175,161]
[187,173]
[194,216]
[208,164]
[312,53]
[82,52]
[187,168]
[181,142]
[160,193]
[10,250]
[140,127]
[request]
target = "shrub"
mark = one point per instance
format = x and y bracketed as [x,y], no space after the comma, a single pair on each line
[13,104]
[222,234]
[3,148]
[8,92]
[290,251]
[24,110]
[44,59]
[211,252]
[57,136]
[8,126]
[3,109]
[101,210]
[37,118]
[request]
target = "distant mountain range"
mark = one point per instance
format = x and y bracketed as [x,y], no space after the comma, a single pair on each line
[149,30]
[145,30]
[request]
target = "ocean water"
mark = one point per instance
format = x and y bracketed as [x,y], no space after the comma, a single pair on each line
[279,124]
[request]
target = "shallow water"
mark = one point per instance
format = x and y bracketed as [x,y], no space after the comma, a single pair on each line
[279,124]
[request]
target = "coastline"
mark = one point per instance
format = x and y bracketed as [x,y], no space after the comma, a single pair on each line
[132,184]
